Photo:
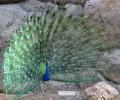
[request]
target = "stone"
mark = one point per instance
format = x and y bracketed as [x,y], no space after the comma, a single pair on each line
[10,1]
[55,86]
[118,87]
[105,15]
[32,6]
[111,65]
[115,98]
[50,6]
[114,56]
[52,87]
[31,96]
[11,16]
[1,45]
[74,10]
[36,6]
[66,98]
[36,97]
[4,97]
[101,91]
[63,2]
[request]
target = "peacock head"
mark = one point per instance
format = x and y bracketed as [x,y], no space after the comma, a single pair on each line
[44,71]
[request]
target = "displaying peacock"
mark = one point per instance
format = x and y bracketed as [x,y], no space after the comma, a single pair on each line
[52,46]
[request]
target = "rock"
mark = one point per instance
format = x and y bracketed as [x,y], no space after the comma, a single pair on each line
[4,97]
[32,6]
[66,98]
[31,96]
[54,87]
[1,45]
[10,1]
[36,6]
[113,56]
[63,2]
[74,10]
[50,6]
[36,97]
[112,68]
[118,88]
[115,98]
[105,14]
[101,91]
[11,17]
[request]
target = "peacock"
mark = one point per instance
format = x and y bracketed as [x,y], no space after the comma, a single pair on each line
[51,46]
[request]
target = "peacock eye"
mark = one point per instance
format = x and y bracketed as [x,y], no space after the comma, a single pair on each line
[47,11]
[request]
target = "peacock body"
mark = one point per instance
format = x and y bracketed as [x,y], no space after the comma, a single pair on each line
[52,46]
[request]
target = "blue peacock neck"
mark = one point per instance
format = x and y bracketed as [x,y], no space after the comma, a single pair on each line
[46,76]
